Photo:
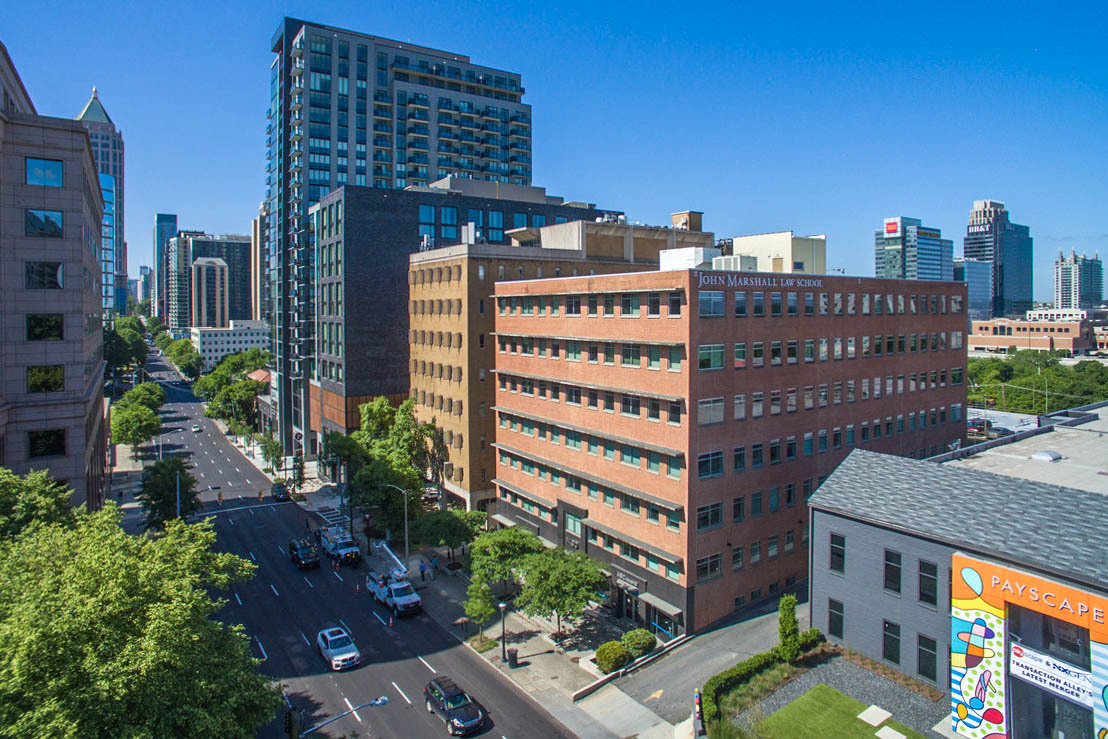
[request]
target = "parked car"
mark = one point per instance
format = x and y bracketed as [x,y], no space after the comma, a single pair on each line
[461,714]
[338,648]
[196,428]
[998,431]
[279,491]
[303,553]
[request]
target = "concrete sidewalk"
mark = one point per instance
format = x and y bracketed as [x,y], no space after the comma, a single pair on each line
[547,672]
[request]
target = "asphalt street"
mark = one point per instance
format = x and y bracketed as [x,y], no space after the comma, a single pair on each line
[283,608]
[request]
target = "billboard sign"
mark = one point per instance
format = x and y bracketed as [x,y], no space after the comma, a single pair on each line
[1048,673]
[892,228]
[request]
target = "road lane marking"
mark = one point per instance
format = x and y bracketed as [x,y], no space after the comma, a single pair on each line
[305,639]
[266,656]
[287,701]
[383,621]
[238,470]
[398,690]
[429,667]
[281,548]
[338,576]
[240,599]
[348,631]
[275,591]
[252,556]
[309,582]
[351,707]
[201,474]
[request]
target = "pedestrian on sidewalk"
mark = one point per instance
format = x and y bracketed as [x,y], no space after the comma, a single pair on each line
[422,570]
[435,566]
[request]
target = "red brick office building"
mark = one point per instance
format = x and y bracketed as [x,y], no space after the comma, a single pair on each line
[672,424]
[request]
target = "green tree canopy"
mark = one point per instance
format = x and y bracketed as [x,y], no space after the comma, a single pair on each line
[1023,382]
[103,634]
[159,496]
[184,355]
[116,352]
[135,345]
[237,402]
[163,341]
[155,325]
[134,425]
[129,323]
[148,394]
[272,451]
[231,369]
[558,582]
[443,529]
[497,555]
[479,605]
[31,500]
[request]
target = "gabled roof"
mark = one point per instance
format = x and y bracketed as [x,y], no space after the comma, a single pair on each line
[94,111]
[1045,527]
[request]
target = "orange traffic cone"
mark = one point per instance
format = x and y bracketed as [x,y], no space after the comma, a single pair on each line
[357,587]
[390,622]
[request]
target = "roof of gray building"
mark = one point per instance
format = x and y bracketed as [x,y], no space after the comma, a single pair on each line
[1046,527]
[94,110]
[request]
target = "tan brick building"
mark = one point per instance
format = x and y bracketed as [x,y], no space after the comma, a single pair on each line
[451,322]
[1001,334]
[672,424]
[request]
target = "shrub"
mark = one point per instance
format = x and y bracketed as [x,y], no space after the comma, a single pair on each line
[788,648]
[729,678]
[639,642]
[611,656]
[808,639]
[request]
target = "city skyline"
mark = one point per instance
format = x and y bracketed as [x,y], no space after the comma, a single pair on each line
[789,134]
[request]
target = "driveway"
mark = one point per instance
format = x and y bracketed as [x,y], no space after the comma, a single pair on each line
[666,686]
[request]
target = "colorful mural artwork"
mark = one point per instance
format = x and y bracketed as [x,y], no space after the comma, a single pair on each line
[980,594]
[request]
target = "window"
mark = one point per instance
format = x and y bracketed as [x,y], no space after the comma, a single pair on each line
[48,443]
[709,411]
[740,355]
[759,304]
[709,465]
[838,553]
[46,378]
[654,304]
[775,304]
[834,618]
[892,571]
[653,357]
[792,304]
[674,305]
[43,275]
[740,407]
[45,327]
[709,567]
[755,504]
[710,356]
[630,355]
[758,354]
[44,172]
[46,223]
[709,516]
[790,541]
[609,305]
[928,583]
[740,303]
[573,305]
[809,304]
[926,656]
[757,404]
[737,557]
[630,404]
[755,552]
[890,647]
[711,303]
[738,508]
[675,359]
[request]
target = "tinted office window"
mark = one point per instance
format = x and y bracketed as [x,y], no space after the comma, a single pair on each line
[45,327]
[834,618]
[46,223]
[892,571]
[928,663]
[838,553]
[48,443]
[890,647]
[44,172]
[928,583]
[46,378]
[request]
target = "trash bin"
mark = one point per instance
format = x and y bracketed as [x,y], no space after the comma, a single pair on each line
[513,658]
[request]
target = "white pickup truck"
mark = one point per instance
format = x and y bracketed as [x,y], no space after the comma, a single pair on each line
[336,542]
[395,592]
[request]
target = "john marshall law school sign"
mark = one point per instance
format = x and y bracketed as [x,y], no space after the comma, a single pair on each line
[733,279]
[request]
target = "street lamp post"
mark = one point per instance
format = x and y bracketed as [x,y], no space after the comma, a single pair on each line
[404,494]
[503,647]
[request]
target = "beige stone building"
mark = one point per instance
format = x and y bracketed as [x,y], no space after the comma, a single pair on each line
[452,315]
[777,252]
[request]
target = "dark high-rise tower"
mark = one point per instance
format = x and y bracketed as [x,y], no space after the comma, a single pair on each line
[350,108]
[165,228]
[991,237]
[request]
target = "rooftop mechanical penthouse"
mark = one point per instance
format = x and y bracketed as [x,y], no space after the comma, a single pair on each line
[672,424]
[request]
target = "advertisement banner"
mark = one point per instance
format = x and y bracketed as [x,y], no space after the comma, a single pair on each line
[1048,673]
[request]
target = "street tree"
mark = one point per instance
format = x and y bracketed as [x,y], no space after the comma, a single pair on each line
[134,425]
[159,494]
[479,605]
[184,355]
[368,490]
[155,325]
[443,529]
[237,402]
[272,450]
[296,478]
[135,346]
[559,582]
[497,555]
[34,499]
[116,354]
[104,634]
[148,394]
[163,341]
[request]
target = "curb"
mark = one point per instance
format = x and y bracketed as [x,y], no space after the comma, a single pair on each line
[646,659]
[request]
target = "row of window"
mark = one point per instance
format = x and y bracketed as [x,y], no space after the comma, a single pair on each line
[598,446]
[752,555]
[451,340]
[712,303]
[595,304]
[711,411]
[711,516]
[627,503]
[448,227]
[927,591]
[630,354]
[927,648]
[437,370]
[439,402]
[711,464]
[788,351]
[629,404]
[449,307]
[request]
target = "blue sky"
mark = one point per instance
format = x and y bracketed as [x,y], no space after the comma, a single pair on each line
[820,118]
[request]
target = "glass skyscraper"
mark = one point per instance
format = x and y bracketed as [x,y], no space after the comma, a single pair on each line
[351,108]
[108,246]
[906,249]
[107,152]
[165,228]
[991,237]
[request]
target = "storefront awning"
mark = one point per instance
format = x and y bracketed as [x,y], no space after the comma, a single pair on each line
[667,608]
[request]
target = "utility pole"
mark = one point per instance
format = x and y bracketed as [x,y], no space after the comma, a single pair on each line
[178,494]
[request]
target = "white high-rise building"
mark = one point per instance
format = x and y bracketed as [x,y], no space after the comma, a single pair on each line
[1078,281]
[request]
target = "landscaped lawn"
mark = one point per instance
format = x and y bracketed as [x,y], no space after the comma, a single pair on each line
[825,712]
